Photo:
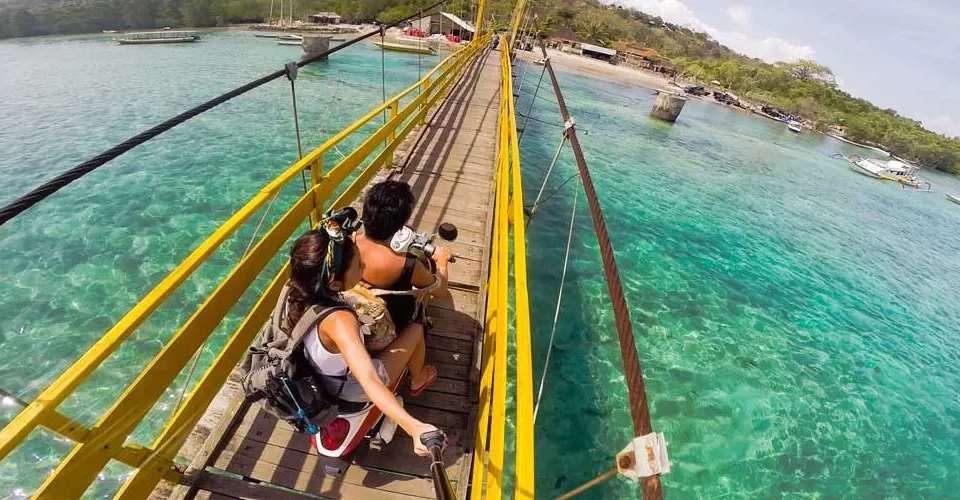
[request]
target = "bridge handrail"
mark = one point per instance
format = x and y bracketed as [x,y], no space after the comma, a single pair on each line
[106,440]
[488,461]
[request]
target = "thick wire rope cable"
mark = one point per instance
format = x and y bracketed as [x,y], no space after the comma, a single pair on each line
[633,372]
[46,189]
[556,313]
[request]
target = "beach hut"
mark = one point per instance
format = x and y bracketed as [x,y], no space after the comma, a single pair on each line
[565,40]
[597,52]
[325,18]
[444,23]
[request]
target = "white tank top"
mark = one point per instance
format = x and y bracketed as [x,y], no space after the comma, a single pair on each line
[322,360]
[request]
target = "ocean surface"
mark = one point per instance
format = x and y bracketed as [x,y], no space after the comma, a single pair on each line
[796,321]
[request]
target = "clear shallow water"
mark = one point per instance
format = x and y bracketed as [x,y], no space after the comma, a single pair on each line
[767,282]
[74,264]
[796,321]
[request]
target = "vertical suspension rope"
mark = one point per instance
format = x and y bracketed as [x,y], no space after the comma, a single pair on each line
[526,117]
[546,177]
[639,410]
[292,70]
[556,313]
[383,77]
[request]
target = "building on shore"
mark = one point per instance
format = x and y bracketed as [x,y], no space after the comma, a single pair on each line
[635,54]
[444,23]
[325,18]
[597,52]
[565,40]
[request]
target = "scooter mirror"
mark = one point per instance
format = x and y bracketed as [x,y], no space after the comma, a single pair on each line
[447,231]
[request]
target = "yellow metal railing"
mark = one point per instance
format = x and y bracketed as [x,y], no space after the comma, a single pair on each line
[106,440]
[488,461]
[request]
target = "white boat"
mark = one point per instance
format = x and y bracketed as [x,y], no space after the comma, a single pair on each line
[298,38]
[413,49]
[890,170]
[953,199]
[152,37]
[540,61]
[794,126]
[290,42]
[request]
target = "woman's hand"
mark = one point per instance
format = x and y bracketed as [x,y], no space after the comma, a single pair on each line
[441,255]
[419,429]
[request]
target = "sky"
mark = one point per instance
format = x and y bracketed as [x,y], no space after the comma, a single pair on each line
[897,54]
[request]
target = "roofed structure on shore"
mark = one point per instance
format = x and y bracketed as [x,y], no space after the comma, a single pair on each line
[636,54]
[325,18]
[445,23]
[597,52]
[565,39]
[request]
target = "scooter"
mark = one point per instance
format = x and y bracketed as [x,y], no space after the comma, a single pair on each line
[336,441]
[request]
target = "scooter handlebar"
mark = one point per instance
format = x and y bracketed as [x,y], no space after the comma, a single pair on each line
[433,439]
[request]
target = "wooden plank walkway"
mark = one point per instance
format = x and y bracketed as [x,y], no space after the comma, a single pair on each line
[450,165]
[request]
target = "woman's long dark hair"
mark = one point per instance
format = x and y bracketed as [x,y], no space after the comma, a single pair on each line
[307,256]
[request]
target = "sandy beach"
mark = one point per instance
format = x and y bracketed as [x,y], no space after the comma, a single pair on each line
[622,74]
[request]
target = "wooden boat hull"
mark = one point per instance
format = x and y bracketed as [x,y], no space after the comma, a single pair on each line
[153,41]
[427,51]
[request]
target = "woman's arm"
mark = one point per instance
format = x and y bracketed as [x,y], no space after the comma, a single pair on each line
[422,277]
[342,328]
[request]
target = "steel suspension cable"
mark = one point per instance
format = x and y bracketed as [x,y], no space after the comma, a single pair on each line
[639,409]
[556,314]
[50,187]
[526,118]
[546,176]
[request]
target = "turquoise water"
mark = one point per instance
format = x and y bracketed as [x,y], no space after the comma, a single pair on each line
[75,263]
[795,320]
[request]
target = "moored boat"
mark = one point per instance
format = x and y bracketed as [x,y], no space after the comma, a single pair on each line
[298,38]
[298,43]
[794,126]
[953,198]
[891,170]
[398,47]
[153,37]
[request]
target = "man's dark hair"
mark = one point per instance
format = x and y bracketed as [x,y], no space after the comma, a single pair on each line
[386,208]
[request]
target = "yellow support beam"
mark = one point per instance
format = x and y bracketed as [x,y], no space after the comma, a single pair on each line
[87,459]
[525,470]
[142,483]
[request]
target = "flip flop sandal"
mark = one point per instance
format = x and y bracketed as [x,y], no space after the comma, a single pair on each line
[416,392]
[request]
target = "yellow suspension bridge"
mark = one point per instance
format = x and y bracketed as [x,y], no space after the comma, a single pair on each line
[453,137]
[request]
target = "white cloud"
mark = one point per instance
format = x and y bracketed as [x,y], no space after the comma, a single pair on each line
[740,14]
[770,49]
[944,125]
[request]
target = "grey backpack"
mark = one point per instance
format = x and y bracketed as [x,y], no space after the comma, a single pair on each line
[276,372]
